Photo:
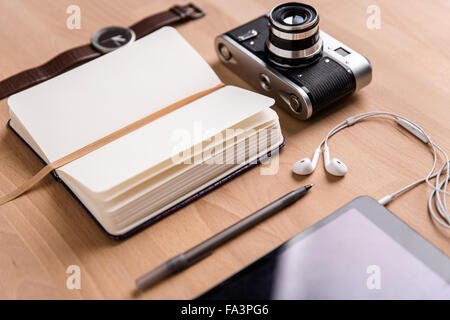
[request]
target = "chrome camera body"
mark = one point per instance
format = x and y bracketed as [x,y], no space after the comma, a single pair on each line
[286,56]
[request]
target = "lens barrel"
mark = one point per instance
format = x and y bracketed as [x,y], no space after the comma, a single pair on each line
[294,38]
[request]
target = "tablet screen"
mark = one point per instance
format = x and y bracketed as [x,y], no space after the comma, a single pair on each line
[348,257]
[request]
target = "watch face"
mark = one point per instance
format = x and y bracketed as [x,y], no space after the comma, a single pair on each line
[111,38]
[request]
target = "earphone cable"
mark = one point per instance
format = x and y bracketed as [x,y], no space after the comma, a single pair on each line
[435,201]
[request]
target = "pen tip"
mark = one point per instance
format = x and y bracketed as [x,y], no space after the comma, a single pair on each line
[309,186]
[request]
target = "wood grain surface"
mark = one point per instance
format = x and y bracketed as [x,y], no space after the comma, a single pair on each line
[44,232]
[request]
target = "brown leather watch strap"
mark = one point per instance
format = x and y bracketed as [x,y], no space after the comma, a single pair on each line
[79,55]
[59,64]
[173,15]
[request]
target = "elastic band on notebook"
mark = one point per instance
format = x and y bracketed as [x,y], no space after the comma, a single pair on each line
[102,142]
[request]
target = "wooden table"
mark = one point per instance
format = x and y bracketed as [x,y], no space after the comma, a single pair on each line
[44,232]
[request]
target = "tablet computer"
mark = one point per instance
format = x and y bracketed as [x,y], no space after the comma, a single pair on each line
[361,251]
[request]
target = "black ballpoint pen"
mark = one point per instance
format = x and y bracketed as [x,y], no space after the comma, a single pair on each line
[204,249]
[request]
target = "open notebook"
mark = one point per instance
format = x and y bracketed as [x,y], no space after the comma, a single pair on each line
[152,171]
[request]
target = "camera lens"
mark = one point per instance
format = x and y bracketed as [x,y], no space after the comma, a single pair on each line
[294,19]
[294,38]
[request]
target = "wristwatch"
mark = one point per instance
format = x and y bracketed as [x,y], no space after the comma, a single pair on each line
[103,41]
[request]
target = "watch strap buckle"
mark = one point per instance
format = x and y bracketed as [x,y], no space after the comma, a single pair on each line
[188,11]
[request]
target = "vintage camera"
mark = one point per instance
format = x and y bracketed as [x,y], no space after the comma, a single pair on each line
[284,54]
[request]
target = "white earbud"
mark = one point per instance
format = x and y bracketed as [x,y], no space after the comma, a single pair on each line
[306,166]
[334,166]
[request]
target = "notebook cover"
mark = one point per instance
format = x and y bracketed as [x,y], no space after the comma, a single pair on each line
[171,209]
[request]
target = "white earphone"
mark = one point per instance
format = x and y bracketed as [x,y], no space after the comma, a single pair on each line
[337,167]
[334,166]
[305,166]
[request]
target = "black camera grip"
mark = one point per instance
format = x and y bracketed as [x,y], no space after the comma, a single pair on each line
[325,82]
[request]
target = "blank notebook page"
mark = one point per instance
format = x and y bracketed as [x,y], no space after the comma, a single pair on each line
[101,96]
[158,141]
